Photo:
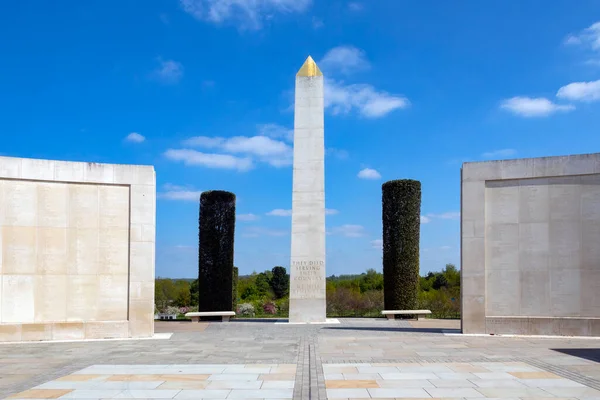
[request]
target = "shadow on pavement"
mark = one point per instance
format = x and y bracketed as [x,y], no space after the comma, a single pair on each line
[393,329]
[588,354]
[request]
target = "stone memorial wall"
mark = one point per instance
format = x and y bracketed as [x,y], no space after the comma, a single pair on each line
[530,246]
[76,250]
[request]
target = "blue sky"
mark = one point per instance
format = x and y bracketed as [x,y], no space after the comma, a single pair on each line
[203,89]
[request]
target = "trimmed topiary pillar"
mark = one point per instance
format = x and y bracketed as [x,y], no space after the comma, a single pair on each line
[215,258]
[234,290]
[401,214]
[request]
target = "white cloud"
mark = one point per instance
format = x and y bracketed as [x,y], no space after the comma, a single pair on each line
[209,160]
[355,6]
[247,217]
[344,59]
[348,230]
[499,153]
[445,247]
[246,14]
[580,91]
[276,131]
[135,137]
[331,211]
[370,103]
[454,215]
[169,71]
[533,107]
[273,152]
[280,212]
[182,193]
[589,37]
[369,173]
[377,244]
[256,231]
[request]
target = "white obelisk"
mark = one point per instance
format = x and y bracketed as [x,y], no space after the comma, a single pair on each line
[307,269]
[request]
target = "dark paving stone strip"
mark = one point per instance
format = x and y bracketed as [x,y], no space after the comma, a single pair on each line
[574,376]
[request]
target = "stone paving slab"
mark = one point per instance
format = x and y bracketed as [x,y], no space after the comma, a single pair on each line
[193,381]
[385,352]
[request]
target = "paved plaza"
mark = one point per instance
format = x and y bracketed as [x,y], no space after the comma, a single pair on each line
[356,359]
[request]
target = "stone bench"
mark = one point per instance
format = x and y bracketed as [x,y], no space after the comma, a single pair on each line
[195,316]
[391,314]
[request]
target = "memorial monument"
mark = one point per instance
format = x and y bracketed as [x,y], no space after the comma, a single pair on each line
[307,267]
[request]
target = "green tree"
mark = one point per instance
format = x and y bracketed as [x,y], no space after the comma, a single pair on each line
[262,284]
[280,282]
[194,292]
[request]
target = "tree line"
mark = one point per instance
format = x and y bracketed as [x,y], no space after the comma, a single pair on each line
[266,294]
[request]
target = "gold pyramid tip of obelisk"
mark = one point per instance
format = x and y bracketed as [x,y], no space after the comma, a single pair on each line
[309,68]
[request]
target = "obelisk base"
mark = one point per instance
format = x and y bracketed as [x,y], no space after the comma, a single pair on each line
[305,311]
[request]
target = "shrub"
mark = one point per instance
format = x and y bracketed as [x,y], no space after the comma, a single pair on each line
[172,310]
[401,210]
[270,308]
[215,258]
[283,305]
[246,309]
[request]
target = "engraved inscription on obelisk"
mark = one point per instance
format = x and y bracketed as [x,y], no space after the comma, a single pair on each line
[307,268]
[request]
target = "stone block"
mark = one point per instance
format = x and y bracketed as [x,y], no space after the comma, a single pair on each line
[114,203]
[590,198]
[41,170]
[565,300]
[534,200]
[141,261]
[565,245]
[134,175]
[502,202]
[535,293]
[19,255]
[112,297]
[113,251]
[19,204]
[98,173]
[106,329]
[10,167]
[10,332]
[50,301]
[141,291]
[52,251]
[473,256]
[68,331]
[474,285]
[83,206]
[590,292]
[82,298]
[69,171]
[590,248]
[503,293]
[473,314]
[141,318]
[502,247]
[507,326]
[17,298]
[594,327]
[84,251]
[574,327]
[482,171]
[565,198]
[544,326]
[148,233]
[534,243]
[473,201]
[36,332]
[52,205]
[135,233]
[143,204]
[517,169]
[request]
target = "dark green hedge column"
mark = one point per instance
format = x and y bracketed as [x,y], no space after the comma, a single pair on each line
[401,214]
[215,258]
[234,290]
